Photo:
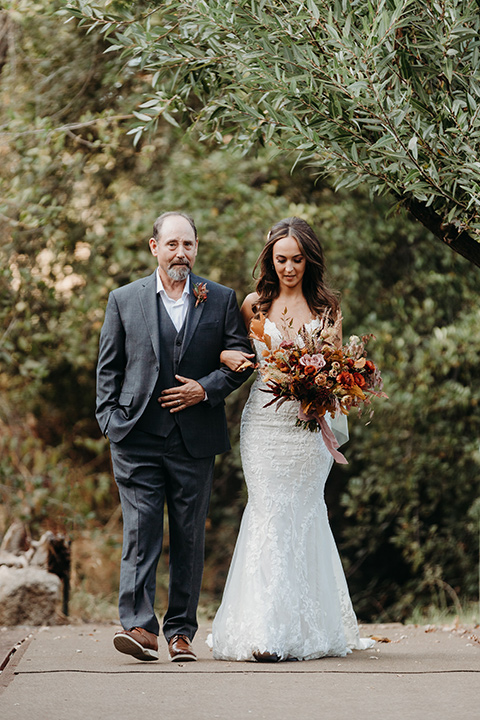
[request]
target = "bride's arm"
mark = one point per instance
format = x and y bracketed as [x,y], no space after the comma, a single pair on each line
[236,359]
[247,308]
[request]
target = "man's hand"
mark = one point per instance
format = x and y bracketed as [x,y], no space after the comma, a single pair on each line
[190,392]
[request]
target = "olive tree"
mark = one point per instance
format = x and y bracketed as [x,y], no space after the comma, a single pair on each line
[384,93]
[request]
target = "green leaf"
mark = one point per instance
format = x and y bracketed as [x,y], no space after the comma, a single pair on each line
[413,146]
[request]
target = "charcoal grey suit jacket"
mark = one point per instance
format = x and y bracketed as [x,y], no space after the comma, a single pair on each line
[128,363]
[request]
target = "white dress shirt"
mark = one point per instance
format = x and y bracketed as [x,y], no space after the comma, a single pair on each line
[177,309]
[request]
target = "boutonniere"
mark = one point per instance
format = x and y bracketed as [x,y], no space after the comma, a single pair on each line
[200,291]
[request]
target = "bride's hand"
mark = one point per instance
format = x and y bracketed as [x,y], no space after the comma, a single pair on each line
[236,360]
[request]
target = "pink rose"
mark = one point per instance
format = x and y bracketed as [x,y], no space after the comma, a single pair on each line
[316,361]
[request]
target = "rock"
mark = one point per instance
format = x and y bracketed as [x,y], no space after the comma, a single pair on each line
[28,596]
[16,539]
[42,550]
[8,558]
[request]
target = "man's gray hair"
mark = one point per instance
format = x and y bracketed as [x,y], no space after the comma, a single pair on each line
[157,225]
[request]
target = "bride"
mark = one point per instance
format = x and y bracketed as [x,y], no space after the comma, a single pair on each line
[286,596]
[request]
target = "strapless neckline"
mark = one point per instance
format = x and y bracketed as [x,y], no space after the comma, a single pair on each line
[307,326]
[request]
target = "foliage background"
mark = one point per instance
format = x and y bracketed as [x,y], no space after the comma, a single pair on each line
[77,202]
[385,94]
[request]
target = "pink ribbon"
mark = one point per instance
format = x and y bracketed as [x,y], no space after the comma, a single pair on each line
[329,438]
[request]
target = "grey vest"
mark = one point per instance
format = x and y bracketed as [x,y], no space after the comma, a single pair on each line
[155,419]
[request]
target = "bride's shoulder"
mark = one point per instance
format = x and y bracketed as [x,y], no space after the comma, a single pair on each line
[251,299]
[247,307]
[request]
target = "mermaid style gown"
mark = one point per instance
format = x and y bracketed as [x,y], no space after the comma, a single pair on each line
[286,591]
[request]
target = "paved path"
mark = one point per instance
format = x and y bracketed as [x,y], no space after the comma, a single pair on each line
[72,672]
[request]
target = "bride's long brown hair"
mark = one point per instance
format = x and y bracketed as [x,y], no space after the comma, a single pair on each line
[317,294]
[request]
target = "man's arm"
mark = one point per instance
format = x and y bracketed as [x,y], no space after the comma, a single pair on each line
[111,364]
[219,383]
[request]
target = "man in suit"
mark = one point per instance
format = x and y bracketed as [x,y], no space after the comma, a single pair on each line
[160,401]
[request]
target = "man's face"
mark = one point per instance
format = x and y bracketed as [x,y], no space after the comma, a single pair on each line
[175,248]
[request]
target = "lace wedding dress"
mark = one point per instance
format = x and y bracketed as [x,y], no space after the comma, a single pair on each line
[286,591]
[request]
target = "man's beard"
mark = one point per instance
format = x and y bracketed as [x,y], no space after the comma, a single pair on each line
[178,272]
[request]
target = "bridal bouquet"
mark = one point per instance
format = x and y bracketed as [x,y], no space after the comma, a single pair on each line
[310,368]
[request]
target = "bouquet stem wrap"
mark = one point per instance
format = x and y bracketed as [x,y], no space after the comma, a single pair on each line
[328,437]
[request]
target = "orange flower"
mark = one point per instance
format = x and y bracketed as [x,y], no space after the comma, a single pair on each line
[346,379]
[200,291]
[359,380]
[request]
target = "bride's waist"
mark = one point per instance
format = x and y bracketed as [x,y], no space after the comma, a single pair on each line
[260,395]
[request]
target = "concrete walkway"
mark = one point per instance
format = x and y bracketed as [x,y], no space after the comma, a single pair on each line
[72,672]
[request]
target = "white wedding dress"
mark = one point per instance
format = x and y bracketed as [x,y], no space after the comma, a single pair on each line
[286,591]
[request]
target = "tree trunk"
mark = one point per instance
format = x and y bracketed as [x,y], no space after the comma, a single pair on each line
[459,241]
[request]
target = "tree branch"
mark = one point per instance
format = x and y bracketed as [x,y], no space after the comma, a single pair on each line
[458,240]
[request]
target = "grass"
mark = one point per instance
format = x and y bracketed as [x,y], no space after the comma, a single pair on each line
[465,615]
[88,608]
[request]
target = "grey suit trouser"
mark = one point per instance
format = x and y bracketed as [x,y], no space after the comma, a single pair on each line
[150,470]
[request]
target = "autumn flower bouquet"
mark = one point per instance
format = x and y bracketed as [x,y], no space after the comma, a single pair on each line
[309,367]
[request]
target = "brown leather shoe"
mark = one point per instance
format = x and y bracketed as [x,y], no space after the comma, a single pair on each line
[180,649]
[138,642]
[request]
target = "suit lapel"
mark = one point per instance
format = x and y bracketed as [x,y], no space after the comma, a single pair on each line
[193,315]
[148,300]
